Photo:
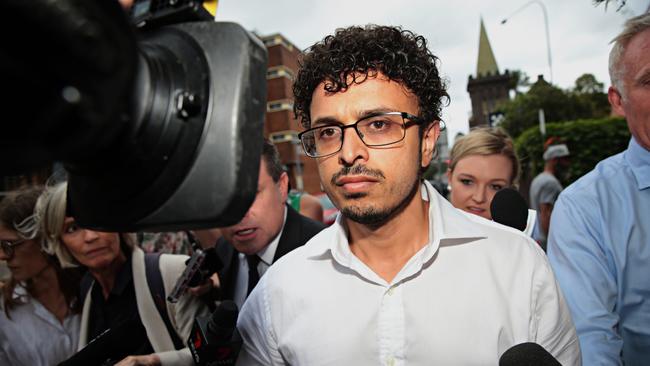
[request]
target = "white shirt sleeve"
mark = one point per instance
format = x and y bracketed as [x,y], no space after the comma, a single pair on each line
[254,324]
[552,327]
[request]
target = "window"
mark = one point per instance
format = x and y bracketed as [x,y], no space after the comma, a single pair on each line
[278,72]
[277,39]
[284,136]
[279,105]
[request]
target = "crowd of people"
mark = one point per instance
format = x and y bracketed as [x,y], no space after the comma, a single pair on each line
[403,276]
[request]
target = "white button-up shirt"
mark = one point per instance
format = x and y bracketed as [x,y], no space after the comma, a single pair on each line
[266,259]
[34,336]
[474,290]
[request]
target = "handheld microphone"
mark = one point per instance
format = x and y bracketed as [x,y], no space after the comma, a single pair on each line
[201,265]
[509,208]
[527,354]
[214,339]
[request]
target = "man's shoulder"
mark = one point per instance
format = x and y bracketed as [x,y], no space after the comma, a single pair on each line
[310,226]
[469,235]
[301,258]
[548,180]
[501,238]
[602,178]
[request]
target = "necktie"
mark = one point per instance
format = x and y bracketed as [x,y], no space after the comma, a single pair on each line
[253,274]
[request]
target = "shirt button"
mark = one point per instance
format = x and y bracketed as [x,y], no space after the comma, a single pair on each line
[390,361]
[390,291]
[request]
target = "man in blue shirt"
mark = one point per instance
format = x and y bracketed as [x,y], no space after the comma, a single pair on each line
[599,244]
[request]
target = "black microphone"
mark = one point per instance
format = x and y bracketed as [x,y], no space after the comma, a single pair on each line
[509,208]
[214,339]
[527,354]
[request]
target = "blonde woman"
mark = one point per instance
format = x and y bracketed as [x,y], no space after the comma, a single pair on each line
[118,295]
[480,164]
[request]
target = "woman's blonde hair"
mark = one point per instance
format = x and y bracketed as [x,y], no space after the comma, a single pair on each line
[51,213]
[486,141]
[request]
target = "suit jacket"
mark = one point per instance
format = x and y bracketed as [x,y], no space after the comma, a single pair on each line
[297,231]
[181,314]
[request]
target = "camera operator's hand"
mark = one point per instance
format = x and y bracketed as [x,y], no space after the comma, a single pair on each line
[126,4]
[210,283]
[146,360]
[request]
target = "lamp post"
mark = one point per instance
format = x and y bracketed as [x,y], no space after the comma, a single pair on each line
[548,38]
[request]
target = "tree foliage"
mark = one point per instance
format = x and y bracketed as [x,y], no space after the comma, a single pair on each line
[587,84]
[621,3]
[589,142]
[585,100]
[518,80]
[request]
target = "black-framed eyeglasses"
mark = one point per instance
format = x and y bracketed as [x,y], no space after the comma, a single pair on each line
[377,129]
[9,245]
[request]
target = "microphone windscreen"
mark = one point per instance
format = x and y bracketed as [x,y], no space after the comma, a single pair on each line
[509,208]
[223,320]
[527,354]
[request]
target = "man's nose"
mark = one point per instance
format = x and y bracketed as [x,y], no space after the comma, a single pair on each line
[352,148]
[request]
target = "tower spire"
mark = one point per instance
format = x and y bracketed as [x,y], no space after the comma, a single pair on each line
[486,63]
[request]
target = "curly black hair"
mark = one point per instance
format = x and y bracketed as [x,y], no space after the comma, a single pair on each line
[355,53]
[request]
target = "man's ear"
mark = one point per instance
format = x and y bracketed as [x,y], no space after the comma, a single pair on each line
[616,100]
[283,186]
[431,133]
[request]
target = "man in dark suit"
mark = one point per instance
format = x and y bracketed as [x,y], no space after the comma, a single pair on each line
[269,230]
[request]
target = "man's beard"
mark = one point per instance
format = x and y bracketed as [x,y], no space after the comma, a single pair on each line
[374,217]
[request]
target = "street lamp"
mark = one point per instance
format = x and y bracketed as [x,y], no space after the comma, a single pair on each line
[548,38]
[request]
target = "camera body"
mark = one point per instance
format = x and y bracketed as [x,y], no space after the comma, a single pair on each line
[159,128]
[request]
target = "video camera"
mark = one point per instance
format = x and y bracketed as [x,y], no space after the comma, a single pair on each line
[159,125]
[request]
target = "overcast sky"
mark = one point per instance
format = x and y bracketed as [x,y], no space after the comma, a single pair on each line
[579,34]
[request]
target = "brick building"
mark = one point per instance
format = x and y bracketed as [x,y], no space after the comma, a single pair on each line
[280,126]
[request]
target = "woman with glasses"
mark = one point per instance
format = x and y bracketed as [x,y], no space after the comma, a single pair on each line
[39,321]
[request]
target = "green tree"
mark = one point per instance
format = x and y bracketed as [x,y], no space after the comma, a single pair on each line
[589,142]
[518,80]
[521,113]
[585,100]
[590,98]
[587,84]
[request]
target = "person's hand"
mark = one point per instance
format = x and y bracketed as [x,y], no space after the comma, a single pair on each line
[146,360]
[210,283]
[126,4]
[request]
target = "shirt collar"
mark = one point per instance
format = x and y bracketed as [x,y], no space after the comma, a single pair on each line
[639,160]
[447,226]
[268,252]
[20,292]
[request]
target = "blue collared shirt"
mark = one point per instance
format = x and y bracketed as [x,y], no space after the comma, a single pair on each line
[599,248]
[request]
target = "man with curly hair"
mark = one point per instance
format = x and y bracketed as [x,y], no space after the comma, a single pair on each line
[401,277]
